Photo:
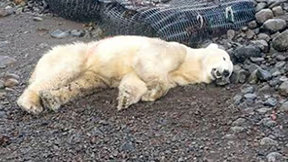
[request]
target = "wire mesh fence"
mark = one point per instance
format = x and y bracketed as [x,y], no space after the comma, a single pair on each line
[186,21]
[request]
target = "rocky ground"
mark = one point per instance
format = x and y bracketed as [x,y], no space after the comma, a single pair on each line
[242,121]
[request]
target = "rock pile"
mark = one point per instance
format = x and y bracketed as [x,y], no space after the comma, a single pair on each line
[260,54]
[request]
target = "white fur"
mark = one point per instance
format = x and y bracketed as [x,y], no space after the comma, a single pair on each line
[142,68]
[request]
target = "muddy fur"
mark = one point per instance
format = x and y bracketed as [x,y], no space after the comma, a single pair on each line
[142,68]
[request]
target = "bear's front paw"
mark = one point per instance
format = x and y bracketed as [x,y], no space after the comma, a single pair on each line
[30,106]
[50,101]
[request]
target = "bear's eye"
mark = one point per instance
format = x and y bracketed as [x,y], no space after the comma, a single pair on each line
[214,69]
[224,58]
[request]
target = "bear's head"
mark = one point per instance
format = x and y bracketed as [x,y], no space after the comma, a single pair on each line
[217,63]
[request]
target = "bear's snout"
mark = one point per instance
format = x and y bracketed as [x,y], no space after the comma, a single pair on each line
[226,73]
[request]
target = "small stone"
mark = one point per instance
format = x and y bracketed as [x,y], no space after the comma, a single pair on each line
[230,34]
[237,99]
[251,67]
[256,31]
[253,79]
[37,19]
[239,76]
[250,34]
[284,107]
[264,75]
[11,75]
[268,122]
[59,34]
[127,147]
[4,13]
[4,141]
[260,6]
[280,64]
[280,42]
[274,25]
[247,89]
[268,141]
[229,136]
[250,96]
[2,95]
[77,33]
[276,73]
[263,110]
[11,83]
[263,36]
[6,61]
[280,57]
[239,122]
[257,59]
[283,79]
[103,122]
[2,114]
[252,24]
[237,129]
[273,3]
[274,157]
[2,84]
[263,15]
[265,89]
[283,89]
[278,11]
[262,44]
[244,28]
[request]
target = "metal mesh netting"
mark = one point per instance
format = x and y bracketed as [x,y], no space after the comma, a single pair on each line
[186,21]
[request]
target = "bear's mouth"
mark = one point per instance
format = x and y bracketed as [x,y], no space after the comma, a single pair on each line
[219,78]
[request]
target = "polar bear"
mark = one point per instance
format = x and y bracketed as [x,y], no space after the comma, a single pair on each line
[142,68]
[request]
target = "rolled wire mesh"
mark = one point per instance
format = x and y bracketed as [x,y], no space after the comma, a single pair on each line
[186,21]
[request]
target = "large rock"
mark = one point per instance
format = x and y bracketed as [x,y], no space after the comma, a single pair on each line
[274,25]
[280,42]
[264,15]
[244,52]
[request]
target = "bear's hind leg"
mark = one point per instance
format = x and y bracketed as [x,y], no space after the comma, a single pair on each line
[131,89]
[30,99]
[85,84]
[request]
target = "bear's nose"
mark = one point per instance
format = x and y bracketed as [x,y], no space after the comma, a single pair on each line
[226,73]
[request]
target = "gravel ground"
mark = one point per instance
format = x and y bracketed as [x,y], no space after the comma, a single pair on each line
[237,122]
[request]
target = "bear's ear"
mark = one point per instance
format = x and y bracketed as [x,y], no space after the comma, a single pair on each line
[212,45]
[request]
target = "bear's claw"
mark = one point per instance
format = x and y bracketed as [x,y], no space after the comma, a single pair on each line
[124,100]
